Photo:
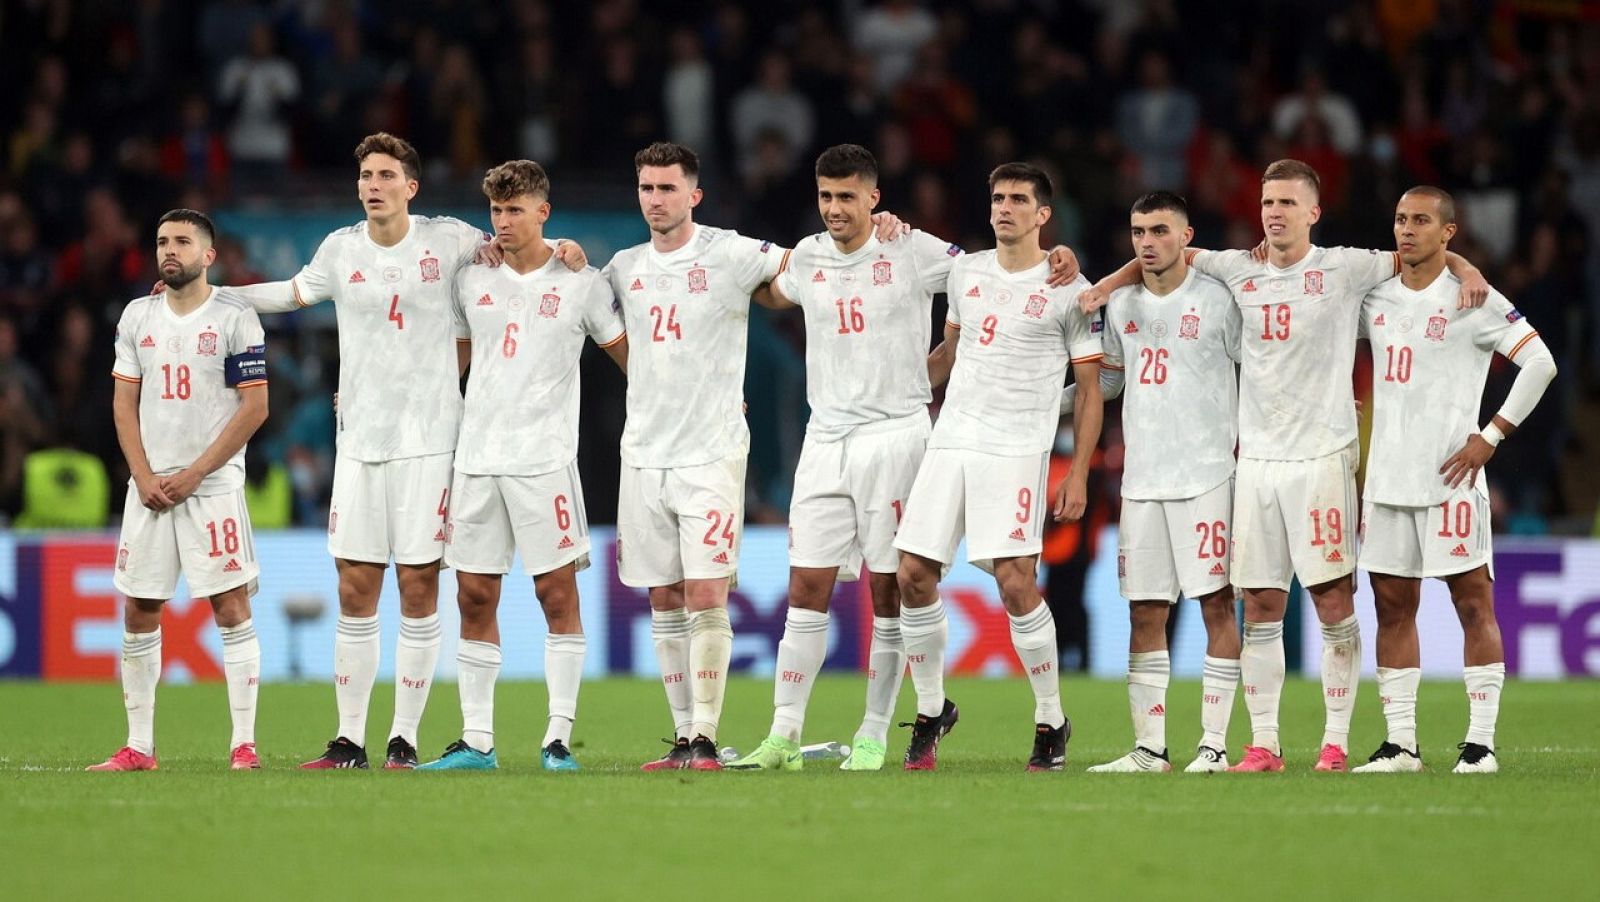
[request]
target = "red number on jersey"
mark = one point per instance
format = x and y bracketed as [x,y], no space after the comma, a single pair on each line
[444,503]
[178,389]
[1463,520]
[1399,369]
[1333,520]
[563,517]
[989,322]
[719,522]
[1154,371]
[1024,504]
[1281,314]
[508,347]
[857,322]
[230,537]
[395,316]
[1213,539]
[666,323]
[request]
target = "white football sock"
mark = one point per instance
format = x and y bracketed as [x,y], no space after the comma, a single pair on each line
[1261,668]
[925,632]
[241,665]
[800,657]
[1148,675]
[477,669]
[1033,635]
[416,656]
[1397,692]
[355,667]
[669,631]
[1484,683]
[886,667]
[563,673]
[141,671]
[1341,671]
[1217,685]
[710,648]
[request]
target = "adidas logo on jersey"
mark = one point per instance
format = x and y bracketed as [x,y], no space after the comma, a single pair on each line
[1378,321]
[1459,551]
[1019,535]
[819,277]
[1130,328]
[356,277]
[566,542]
[148,342]
[1216,569]
[1157,710]
[1249,285]
[638,285]
[232,566]
[439,536]
[1334,557]
[486,301]
[973,292]
[721,558]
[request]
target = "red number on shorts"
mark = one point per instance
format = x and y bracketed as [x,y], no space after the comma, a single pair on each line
[1333,520]
[1154,371]
[857,321]
[989,322]
[1463,520]
[668,320]
[179,389]
[563,519]
[1024,504]
[722,522]
[508,347]
[444,503]
[1399,369]
[1213,539]
[899,510]
[395,316]
[1281,314]
[230,537]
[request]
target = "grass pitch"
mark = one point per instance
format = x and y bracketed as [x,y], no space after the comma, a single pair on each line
[979,827]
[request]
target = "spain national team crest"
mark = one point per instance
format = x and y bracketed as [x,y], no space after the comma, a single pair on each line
[1435,330]
[549,305]
[1189,327]
[697,281]
[1314,281]
[1036,305]
[208,344]
[882,273]
[430,269]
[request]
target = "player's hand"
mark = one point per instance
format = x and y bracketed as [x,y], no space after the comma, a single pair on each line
[180,485]
[1474,292]
[1259,252]
[888,226]
[159,287]
[1063,266]
[1466,463]
[151,493]
[490,253]
[1092,298]
[1072,496]
[571,254]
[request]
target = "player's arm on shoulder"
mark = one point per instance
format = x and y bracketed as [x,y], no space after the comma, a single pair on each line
[888,226]
[274,297]
[780,291]
[1063,266]
[125,413]
[1095,296]
[943,358]
[1474,287]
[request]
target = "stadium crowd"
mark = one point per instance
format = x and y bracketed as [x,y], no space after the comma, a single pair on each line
[122,111]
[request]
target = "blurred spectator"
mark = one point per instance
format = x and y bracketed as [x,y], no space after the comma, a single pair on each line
[194,151]
[531,92]
[772,105]
[344,84]
[890,34]
[24,411]
[1156,124]
[689,93]
[1340,120]
[935,107]
[107,263]
[459,109]
[258,88]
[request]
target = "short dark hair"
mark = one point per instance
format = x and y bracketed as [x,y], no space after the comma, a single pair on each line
[399,148]
[1289,170]
[514,179]
[1024,172]
[1447,204]
[200,221]
[666,153]
[1161,200]
[842,161]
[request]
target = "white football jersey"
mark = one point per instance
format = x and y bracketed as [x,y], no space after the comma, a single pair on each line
[687,314]
[1180,408]
[189,370]
[399,384]
[1017,337]
[868,326]
[527,335]
[1298,341]
[1429,365]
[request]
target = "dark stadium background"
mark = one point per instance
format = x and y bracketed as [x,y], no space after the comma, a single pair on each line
[117,111]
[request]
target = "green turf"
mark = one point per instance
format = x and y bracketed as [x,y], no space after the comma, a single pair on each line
[979,827]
